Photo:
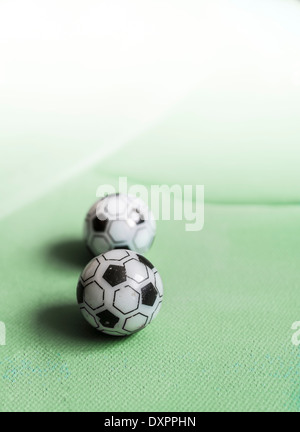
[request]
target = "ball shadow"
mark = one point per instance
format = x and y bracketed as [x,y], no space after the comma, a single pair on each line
[73,253]
[66,320]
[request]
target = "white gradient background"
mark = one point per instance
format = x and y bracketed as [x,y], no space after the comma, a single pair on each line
[81,79]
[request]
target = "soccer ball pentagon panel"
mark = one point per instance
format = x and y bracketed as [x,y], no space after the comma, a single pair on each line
[119,221]
[120,292]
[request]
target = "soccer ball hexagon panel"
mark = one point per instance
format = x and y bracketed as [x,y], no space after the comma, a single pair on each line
[119,292]
[119,221]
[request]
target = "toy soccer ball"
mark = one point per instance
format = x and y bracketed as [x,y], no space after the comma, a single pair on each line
[119,221]
[119,292]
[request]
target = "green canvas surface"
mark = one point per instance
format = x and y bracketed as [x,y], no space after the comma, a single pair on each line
[222,340]
[102,90]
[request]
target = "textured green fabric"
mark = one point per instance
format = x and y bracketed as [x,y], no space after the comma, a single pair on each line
[222,340]
[211,97]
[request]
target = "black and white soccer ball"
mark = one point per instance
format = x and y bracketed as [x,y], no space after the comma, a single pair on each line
[120,292]
[119,221]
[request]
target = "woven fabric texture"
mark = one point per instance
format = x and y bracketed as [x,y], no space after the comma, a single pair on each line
[222,340]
